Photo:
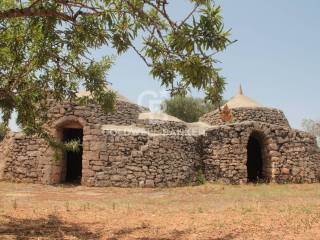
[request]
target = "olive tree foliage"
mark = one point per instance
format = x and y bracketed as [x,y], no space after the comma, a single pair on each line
[312,127]
[3,131]
[187,108]
[46,50]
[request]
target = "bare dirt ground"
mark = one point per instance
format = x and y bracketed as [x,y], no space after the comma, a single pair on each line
[211,211]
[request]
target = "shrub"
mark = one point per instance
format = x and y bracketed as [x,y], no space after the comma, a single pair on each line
[73,145]
[187,108]
[201,179]
[3,131]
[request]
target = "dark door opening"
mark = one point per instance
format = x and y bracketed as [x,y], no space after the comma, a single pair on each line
[255,161]
[73,159]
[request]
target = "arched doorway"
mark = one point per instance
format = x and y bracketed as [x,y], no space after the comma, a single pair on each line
[70,167]
[73,159]
[256,158]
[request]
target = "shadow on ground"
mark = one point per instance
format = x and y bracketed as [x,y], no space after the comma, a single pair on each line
[53,227]
[48,228]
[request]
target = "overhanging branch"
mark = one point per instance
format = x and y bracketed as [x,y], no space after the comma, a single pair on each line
[31,12]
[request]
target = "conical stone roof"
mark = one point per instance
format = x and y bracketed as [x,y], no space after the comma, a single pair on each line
[242,101]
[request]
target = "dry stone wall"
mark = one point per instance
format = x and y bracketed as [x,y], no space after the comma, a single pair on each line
[162,127]
[289,155]
[26,159]
[260,114]
[141,160]
[5,151]
[299,158]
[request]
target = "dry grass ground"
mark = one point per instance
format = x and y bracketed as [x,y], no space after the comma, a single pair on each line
[211,211]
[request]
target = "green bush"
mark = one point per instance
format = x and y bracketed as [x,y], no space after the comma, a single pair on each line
[73,145]
[187,108]
[201,179]
[3,131]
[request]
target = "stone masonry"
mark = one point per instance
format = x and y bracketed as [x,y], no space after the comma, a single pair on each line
[27,159]
[139,160]
[259,114]
[289,155]
[120,149]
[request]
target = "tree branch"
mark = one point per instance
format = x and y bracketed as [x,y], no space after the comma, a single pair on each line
[31,12]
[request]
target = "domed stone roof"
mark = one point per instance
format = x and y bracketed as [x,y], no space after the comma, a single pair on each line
[242,109]
[242,101]
[125,112]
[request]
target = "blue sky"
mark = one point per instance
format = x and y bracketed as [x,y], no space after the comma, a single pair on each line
[276,58]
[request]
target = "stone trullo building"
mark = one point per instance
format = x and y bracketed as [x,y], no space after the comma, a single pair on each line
[132,147]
